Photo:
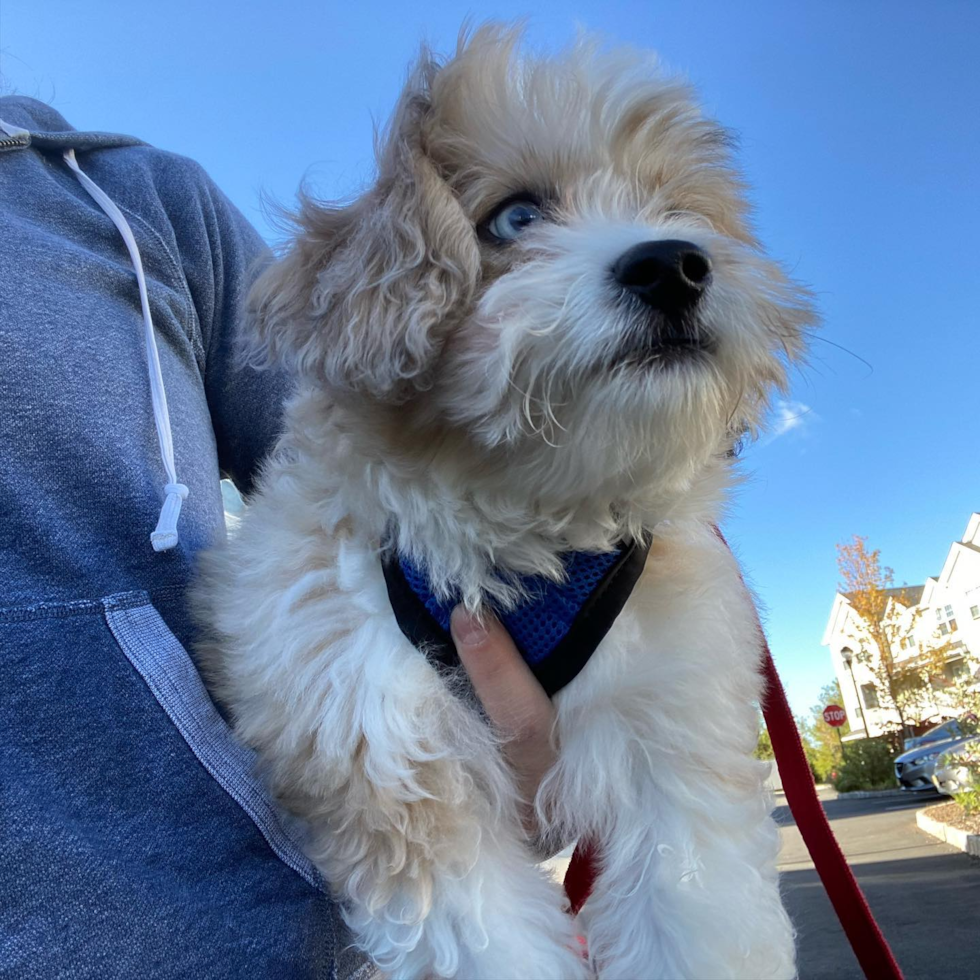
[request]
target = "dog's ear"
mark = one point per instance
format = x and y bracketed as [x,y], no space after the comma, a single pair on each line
[366,295]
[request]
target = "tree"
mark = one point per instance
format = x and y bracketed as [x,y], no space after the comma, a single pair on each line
[960,695]
[763,749]
[824,742]
[887,615]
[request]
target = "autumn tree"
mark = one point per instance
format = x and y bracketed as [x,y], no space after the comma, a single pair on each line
[885,616]
[962,697]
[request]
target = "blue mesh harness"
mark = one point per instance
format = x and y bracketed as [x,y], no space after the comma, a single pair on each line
[556,627]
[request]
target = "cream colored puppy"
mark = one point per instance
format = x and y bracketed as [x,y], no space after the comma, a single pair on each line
[540,331]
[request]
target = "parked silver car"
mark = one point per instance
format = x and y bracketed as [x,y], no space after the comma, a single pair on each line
[951,774]
[914,768]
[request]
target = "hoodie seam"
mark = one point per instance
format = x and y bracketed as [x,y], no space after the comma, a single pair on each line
[189,311]
[194,333]
[87,607]
[174,681]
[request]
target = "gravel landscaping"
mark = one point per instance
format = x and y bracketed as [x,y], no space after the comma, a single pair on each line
[952,814]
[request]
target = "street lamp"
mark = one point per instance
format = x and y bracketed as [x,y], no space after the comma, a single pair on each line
[847,655]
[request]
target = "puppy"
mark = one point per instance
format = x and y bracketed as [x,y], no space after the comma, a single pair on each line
[540,332]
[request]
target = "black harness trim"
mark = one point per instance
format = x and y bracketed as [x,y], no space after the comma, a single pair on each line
[569,656]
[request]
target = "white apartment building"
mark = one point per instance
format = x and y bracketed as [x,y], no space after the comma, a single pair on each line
[946,609]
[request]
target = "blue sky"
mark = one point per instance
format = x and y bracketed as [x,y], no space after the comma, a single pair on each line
[860,135]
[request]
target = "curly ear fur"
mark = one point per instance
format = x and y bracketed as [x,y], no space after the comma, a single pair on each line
[364,298]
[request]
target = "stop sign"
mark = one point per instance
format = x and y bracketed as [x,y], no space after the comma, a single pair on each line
[834,715]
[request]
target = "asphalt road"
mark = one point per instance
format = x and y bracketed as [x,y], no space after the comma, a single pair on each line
[924,894]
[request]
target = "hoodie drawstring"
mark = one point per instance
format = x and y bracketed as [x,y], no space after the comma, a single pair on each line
[164,537]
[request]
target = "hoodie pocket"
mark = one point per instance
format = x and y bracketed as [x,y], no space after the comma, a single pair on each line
[166,667]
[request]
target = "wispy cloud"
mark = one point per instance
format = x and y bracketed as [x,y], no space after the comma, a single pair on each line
[788,416]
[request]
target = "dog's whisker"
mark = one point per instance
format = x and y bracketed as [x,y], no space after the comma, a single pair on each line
[846,350]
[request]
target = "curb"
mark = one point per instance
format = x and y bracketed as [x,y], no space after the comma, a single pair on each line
[869,794]
[968,843]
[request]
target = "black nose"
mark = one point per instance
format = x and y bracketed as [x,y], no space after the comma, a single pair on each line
[670,275]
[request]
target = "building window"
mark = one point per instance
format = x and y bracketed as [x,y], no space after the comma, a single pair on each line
[944,619]
[975,612]
[954,672]
[869,694]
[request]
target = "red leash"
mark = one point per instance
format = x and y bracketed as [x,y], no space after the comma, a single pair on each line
[580,876]
[869,945]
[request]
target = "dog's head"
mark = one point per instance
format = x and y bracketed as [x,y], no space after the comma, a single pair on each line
[555,259]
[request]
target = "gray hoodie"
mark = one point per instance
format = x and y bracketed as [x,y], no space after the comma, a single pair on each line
[135,839]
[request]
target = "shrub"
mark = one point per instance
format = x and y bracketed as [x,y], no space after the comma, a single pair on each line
[868,764]
[970,801]
[968,758]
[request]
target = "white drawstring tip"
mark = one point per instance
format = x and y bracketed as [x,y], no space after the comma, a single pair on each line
[165,536]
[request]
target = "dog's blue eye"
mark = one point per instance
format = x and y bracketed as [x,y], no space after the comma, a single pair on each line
[513,219]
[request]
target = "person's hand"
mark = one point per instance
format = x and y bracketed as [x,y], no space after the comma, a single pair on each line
[514,701]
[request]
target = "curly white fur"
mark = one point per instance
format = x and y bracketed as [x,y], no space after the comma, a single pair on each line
[468,404]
